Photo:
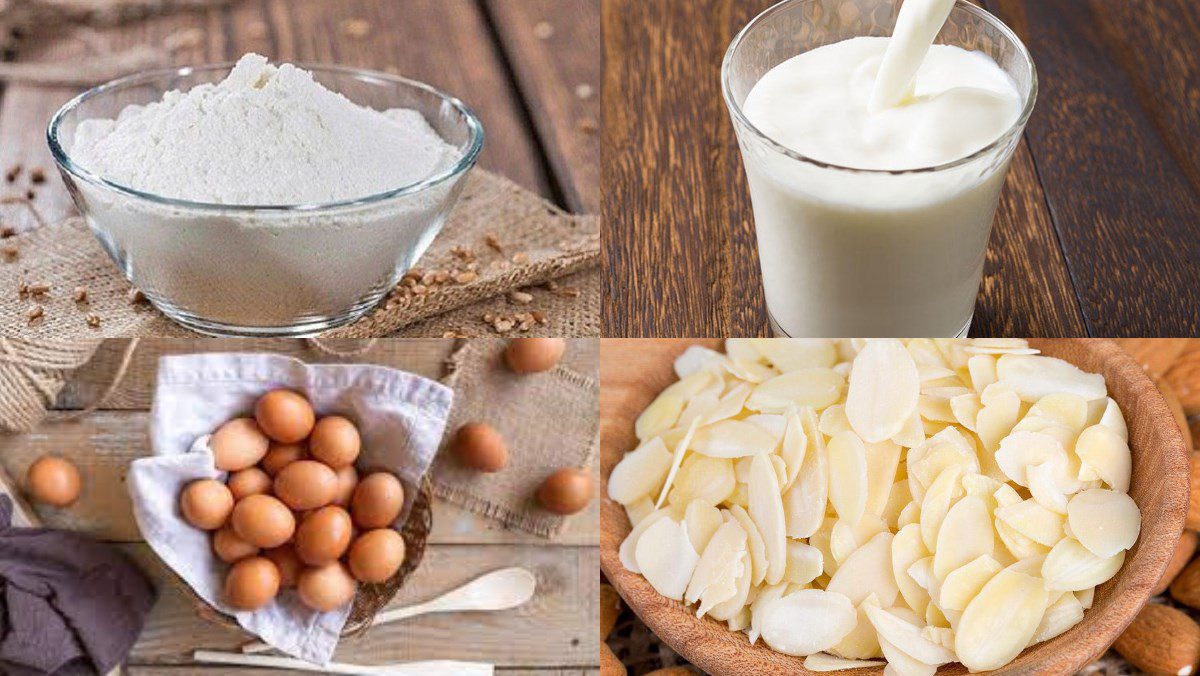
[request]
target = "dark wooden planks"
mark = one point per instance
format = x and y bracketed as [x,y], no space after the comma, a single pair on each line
[444,42]
[1124,208]
[553,48]
[1026,288]
[667,172]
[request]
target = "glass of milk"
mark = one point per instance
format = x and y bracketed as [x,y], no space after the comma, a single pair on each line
[880,251]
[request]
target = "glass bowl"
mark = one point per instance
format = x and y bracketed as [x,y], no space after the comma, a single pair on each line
[266,270]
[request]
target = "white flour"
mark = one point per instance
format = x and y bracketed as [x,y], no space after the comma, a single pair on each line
[264,135]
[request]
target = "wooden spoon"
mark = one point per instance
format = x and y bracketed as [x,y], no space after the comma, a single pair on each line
[498,590]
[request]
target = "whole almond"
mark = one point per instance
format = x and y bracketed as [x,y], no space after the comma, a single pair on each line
[609,664]
[1161,641]
[610,608]
[1186,586]
[1183,554]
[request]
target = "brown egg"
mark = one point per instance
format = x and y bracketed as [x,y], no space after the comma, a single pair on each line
[281,455]
[206,504]
[323,536]
[287,562]
[326,587]
[263,521]
[335,441]
[306,484]
[238,444]
[249,481]
[566,491]
[532,355]
[285,416]
[376,555]
[52,480]
[479,446]
[229,547]
[377,501]
[347,480]
[251,583]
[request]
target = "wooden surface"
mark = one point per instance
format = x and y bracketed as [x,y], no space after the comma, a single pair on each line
[555,634]
[1098,231]
[635,371]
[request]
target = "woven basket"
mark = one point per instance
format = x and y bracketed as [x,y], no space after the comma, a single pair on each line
[371,598]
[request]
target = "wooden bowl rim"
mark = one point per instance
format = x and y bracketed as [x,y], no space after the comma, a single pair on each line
[711,646]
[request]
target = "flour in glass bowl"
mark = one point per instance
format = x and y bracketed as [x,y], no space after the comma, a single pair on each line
[267,135]
[270,136]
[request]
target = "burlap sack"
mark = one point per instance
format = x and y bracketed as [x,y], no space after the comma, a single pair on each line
[548,420]
[510,237]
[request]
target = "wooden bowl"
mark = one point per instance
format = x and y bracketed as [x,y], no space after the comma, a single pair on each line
[633,372]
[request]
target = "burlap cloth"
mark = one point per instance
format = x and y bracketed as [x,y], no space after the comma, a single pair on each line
[509,239]
[31,376]
[548,420]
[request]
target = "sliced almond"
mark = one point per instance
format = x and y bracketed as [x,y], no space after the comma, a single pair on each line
[791,354]
[807,621]
[731,608]
[834,420]
[965,583]
[639,509]
[848,476]
[757,547]
[912,434]
[1063,614]
[696,359]
[907,638]
[702,521]
[1104,521]
[868,571]
[704,478]
[629,544]
[793,448]
[677,460]
[718,564]
[898,498]
[729,405]
[666,557]
[1033,377]
[658,417]
[1068,409]
[1019,545]
[1114,420]
[937,501]
[907,549]
[1102,448]
[982,369]
[1020,450]
[900,663]
[815,387]
[640,472]
[1071,567]
[966,534]
[883,391]
[966,408]
[846,538]
[1033,521]
[1000,621]
[804,503]
[766,510]
[804,563]
[733,439]
[743,349]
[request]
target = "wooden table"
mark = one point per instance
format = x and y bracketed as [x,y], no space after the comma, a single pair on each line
[554,635]
[1098,231]
[530,69]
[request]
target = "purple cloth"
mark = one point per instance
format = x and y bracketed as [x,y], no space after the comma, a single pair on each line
[68,604]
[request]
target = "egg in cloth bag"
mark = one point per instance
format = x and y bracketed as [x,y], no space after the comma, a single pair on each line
[400,418]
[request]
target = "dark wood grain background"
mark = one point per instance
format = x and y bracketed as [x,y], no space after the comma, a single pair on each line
[1098,231]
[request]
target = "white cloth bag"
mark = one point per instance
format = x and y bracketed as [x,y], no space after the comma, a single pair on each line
[401,417]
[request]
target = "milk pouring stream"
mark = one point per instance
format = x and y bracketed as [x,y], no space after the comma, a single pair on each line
[868,246]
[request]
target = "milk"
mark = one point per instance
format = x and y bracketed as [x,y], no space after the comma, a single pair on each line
[852,249]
